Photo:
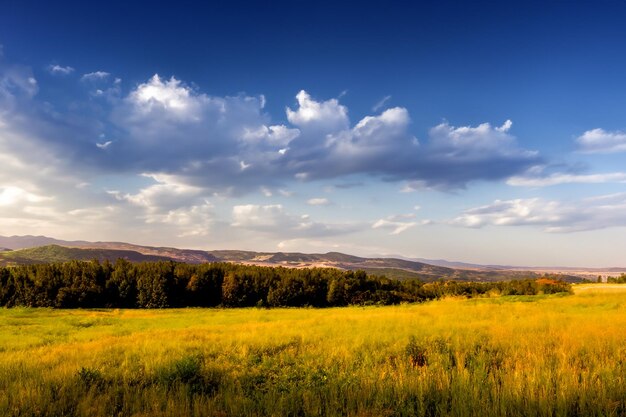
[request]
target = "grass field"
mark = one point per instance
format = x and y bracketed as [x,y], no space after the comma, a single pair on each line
[508,356]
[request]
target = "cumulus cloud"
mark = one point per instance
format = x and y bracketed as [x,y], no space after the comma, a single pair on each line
[553,216]
[383,146]
[601,141]
[326,116]
[56,69]
[277,135]
[166,193]
[195,147]
[376,145]
[220,143]
[171,202]
[229,145]
[169,97]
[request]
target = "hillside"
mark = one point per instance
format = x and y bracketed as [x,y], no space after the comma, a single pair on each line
[56,253]
[401,269]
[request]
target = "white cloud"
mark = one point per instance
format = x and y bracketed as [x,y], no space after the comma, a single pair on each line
[285,193]
[172,202]
[505,127]
[104,145]
[170,95]
[376,144]
[327,115]
[399,223]
[94,214]
[379,105]
[383,146]
[195,220]
[95,76]
[473,142]
[318,202]
[377,130]
[219,143]
[601,141]
[56,69]
[565,178]
[257,216]
[277,135]
[16,83]
[395,226]
[274,221]
[198,146]
[455,156]
[11,195]
[228,145]
[167,193]
[553,216]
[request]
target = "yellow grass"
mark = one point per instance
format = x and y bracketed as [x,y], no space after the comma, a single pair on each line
[542,355]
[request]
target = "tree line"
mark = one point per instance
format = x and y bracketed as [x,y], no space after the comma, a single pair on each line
[162,284]
[617,280]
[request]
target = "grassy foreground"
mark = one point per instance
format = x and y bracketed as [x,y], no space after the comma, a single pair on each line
[513,356]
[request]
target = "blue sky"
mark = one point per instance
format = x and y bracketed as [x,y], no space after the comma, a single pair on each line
[482,132]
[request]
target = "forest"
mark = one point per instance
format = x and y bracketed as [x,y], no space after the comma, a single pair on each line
[165,284]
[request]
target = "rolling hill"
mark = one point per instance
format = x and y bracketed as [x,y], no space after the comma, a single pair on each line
[41,249]
[56,253]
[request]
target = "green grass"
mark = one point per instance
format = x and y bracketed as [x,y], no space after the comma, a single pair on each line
[513,356]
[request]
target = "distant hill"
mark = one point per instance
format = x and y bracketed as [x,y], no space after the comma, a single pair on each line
[41,249]
[182,255]
[56,253]
[23,242]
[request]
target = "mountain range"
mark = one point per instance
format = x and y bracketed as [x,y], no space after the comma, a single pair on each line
[18,250]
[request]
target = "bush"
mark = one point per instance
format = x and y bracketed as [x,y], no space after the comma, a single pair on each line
[416,352]
[188,371]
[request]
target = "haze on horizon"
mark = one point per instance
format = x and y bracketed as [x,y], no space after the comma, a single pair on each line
[485,133]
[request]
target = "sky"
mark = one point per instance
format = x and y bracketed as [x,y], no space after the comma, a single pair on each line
[485,132]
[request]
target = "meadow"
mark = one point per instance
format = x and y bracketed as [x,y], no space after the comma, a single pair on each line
[542,355]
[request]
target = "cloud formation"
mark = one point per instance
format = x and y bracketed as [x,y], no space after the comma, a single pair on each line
[273,220]
[381,103]
[195,148]
[229,145]
[553,216]
[602,141]
[318,201]
[325,116]
[395,226]
[458,155]
[56,69]
[95,76]
[560,178]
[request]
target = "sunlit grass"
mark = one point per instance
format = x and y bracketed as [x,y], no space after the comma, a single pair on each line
[547,355]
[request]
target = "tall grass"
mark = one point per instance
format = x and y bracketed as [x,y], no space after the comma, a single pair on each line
[508,356]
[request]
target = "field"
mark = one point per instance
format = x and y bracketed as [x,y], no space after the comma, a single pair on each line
[507,356]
